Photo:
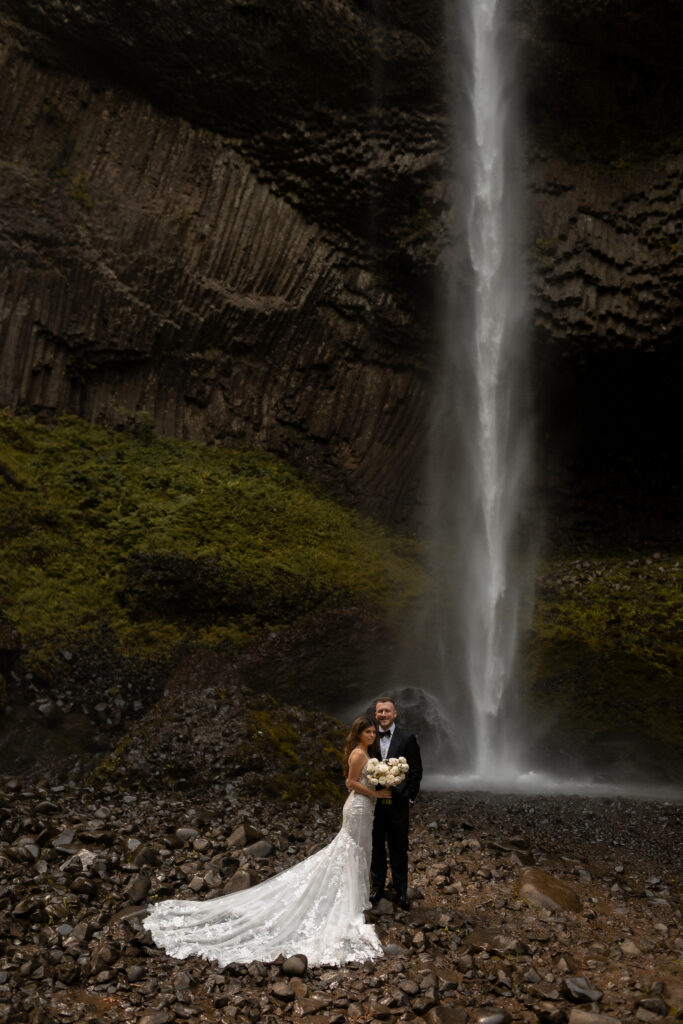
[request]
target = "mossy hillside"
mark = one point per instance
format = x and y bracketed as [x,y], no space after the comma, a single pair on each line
[295,745]
[192,740]
[166,542]
[603,661]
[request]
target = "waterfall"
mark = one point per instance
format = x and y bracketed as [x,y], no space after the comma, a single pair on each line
[480,437]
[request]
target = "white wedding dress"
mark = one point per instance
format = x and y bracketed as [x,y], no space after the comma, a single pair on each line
[315,907]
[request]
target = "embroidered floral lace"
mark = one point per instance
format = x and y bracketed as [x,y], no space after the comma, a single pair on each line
[315,907]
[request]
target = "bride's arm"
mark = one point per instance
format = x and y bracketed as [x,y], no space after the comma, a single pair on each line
[356,762]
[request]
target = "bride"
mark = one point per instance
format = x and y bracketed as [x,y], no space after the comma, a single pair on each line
[315,907]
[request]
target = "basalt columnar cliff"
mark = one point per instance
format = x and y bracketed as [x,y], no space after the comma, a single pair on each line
[233,216]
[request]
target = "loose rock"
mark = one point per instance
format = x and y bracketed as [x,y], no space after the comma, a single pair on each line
[541,889]
[579,990]
[295,966]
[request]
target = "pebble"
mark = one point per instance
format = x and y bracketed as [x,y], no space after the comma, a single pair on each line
[550,1013]
[156,1017]
[579,990]
[655,1005]
[146,856]
[46,807]
[260,850]
[495,1015]
[295,966]
[543,890]
[64,839]
[306,1005]
[577,1016]
[138,888]
[409,986]
[447,1015]
[242,836]
[283,990]
[242,879]
[186,833]
[299,987]
[51,712]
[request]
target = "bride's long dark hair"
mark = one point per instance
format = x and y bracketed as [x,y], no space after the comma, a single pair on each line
[359,725]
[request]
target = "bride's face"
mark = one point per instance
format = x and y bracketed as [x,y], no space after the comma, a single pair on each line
[368,735]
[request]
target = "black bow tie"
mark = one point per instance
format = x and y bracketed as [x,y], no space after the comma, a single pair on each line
[385,733]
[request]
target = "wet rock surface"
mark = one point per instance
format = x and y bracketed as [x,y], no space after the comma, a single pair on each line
[80,864]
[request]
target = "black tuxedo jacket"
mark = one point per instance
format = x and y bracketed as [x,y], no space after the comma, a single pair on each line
[403,744]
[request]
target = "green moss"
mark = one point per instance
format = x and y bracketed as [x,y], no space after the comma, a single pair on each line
[121,530]
[292,739]
[276,751]
[630,605]
[545,246]
[604,657]
[279,734]
[109,765]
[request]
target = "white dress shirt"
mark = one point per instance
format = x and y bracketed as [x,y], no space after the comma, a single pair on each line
[385,742]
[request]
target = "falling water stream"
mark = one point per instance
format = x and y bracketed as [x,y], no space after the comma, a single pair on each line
[481,535]
[480,440]
[491,614]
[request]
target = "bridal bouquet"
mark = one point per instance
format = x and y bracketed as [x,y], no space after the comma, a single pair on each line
[387,773]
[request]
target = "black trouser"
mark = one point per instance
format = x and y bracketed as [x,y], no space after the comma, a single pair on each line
[390,827]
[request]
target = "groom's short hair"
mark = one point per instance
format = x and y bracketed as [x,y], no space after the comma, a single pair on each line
[385,700]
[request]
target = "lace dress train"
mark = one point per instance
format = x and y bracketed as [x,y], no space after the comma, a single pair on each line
[315,907]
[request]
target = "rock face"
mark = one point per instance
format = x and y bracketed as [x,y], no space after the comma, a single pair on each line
[146,267]
[607,252]
[234,220]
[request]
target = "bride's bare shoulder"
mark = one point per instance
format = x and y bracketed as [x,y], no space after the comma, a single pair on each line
[357,755]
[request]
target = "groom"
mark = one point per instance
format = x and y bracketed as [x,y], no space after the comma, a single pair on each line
[391,822]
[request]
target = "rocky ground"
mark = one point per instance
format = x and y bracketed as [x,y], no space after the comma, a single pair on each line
[524,908]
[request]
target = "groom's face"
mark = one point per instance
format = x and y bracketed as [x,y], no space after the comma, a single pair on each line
[385,713]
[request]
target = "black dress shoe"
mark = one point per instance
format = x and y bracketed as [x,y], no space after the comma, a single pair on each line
[375,896]
[402,902]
